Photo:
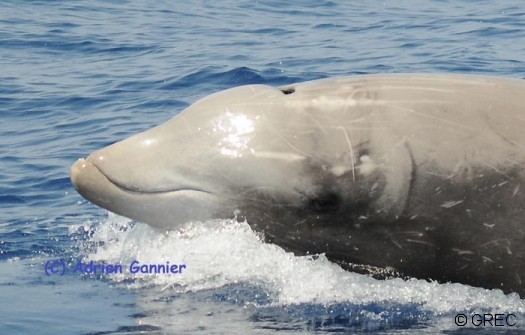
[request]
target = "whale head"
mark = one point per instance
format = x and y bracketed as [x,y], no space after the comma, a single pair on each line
[246,149]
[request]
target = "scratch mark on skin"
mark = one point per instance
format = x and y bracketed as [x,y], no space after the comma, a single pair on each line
[398,244]
[300,222]
[436,174]
[316,122]
[412,232]
[516,190]
[500,184]
[409,110]
[451,203]
[496,169]
[463,252]
[505,243]
[283,138]
[351,149]
[497,133]
[421,242]
[487,259]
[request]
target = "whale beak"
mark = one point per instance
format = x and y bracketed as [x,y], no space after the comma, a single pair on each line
[163,210]
[91,183]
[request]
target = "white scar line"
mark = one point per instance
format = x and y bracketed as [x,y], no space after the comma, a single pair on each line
[352,155]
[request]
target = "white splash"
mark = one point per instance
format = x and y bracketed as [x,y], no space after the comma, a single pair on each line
[223,252]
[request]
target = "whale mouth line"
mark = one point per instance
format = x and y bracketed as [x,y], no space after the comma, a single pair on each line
[146,192]
[133,191]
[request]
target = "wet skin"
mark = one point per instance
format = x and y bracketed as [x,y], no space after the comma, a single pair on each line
[407,175]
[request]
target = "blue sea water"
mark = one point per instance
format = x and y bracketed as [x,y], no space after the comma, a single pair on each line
[78,75]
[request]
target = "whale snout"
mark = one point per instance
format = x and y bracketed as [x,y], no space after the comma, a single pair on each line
[91,183]
[159,209]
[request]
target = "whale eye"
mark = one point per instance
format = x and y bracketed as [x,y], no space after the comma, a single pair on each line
[326,202]
[288,90]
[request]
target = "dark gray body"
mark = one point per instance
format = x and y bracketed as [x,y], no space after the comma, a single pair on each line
[409,175]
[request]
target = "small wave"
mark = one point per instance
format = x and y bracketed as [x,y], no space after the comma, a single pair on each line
[216,76]
[11,199]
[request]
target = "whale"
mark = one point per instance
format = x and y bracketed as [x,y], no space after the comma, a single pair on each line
[391,175]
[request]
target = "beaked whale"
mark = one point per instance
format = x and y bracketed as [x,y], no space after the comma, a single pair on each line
[411,175]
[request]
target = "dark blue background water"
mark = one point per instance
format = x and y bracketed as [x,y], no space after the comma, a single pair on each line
[78,75]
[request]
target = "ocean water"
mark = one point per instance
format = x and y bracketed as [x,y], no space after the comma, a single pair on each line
[78,75]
